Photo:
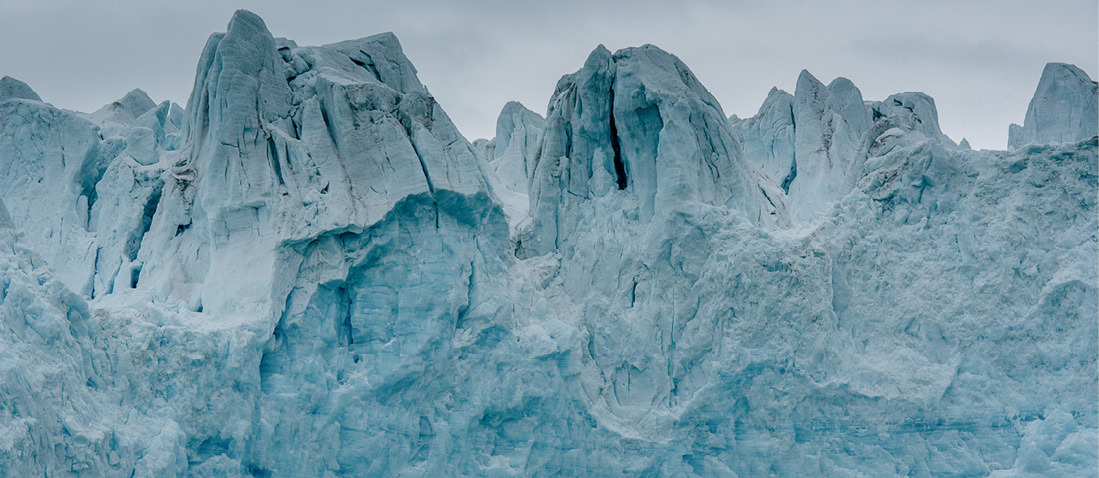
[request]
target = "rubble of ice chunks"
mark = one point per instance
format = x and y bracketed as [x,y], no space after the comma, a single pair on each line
[56,415]
[42,325]
[938,219]
[120,392]
[1064,109]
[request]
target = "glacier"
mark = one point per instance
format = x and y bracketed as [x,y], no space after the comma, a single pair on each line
[307,270]
[1062,109]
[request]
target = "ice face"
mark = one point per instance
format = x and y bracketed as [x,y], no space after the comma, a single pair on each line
[122,112]
[50,158]
[830,121]
[637,129]
[768,138]
[337,135]
[310,272]
[814,143]
[511,156]
[1065,108]
[13,88]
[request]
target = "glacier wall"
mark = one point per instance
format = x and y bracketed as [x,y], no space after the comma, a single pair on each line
[308,271]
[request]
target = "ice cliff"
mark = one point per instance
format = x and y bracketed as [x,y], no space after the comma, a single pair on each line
[309,271]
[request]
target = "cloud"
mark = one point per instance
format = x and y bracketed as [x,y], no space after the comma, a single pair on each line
[980,60]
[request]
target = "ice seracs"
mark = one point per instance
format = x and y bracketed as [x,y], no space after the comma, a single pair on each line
[813,143]
[808,142]
[511,155]
[13,88]
[1065,108]
[45,155]
[912,112]
[767,138]
[830,121]
[636,126]
[310,272]
[286,143]
[122,112]
[56,162]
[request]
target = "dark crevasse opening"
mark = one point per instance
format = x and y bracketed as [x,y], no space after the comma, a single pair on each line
[790,177]
[94,167]
[619,166]
[133,244]
[345,331]
[368,65]
[273,156]
[135,275]
[568,139]
[633,293]
[328,124]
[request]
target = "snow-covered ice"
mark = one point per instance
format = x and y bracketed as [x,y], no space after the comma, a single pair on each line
[309,271]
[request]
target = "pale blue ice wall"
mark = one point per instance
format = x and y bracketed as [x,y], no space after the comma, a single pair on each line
[311,272]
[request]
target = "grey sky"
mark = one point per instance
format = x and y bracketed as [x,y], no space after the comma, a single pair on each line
[980,60]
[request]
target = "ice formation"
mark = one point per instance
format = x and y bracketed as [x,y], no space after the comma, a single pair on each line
[13,88]
[511,155]
[814,143]
[1065,109]
[309,271]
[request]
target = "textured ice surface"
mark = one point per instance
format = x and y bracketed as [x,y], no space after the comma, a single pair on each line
[13,88]
[637,134]
[310,272]
[768,137]
[511,156]
[813,143]
[1065,108]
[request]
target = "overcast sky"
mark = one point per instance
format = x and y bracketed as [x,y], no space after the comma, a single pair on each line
[980,60]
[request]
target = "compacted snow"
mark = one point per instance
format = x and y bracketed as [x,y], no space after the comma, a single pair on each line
[309,271]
